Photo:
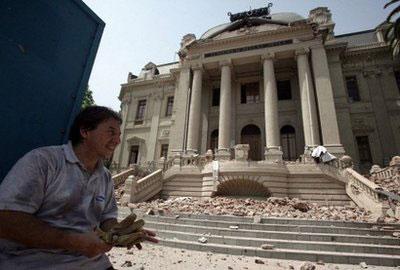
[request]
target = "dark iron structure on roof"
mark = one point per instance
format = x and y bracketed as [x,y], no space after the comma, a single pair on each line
[260,12]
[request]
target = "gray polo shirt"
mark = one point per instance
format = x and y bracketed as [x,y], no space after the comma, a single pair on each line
[51,184]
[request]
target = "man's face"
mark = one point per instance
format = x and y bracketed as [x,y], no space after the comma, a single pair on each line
[103,140]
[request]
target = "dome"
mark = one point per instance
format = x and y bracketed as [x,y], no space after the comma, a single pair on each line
[283,18]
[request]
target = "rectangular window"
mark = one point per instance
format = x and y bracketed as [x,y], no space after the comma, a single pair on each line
[364,150]
[140,112]
[164,150]
[352,88]
[133,154]
[284,90]
[397,76]
[250,93]
[170,104]
[215,97]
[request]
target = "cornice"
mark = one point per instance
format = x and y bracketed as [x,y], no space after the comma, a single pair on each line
[202,44]
[335,45]
[158,81]
[367,49]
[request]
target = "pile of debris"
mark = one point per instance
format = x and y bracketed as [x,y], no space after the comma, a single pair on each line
[271,207]
[388,180]
[388,184]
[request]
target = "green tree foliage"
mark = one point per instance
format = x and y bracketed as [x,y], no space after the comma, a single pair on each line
[87,98]
[392,33]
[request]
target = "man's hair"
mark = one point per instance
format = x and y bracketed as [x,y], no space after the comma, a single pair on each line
[88,119]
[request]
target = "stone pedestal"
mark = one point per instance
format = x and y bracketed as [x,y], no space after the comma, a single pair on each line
[273,154]
[223,154]
[161,163]
[130,189]
[177,158]
[242,152]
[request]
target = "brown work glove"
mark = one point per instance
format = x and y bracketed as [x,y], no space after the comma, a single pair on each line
[126,233]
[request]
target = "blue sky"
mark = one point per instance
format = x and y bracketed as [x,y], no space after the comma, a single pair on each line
[139,31]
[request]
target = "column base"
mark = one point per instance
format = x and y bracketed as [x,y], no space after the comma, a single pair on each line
[223,154]
[335,149]
[191,152]
[273,154]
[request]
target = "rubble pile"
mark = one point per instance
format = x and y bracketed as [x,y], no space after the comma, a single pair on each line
[271,207]
[388,184]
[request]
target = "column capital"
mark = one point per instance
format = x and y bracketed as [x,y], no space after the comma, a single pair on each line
[197,66]
[225,63]
[317,46]
[268,56]
[301,51]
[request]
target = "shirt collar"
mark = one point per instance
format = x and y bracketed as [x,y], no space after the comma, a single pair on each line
[72,158]
[69,153]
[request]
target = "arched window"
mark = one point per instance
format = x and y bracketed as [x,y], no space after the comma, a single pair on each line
[288,142]
[251,135]
[214,140]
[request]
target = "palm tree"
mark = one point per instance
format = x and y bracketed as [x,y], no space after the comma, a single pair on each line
[392,34]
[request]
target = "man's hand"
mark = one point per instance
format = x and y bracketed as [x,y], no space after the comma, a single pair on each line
[89,244]
[127,233]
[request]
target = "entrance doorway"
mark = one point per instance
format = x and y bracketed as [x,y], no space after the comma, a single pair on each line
[214,140]
[251,135]
[133,154]
[288,142]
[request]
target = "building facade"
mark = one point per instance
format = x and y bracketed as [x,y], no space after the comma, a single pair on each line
[280,82]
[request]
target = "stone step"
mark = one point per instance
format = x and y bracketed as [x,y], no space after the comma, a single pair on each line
[299,236]
[282,244]
[302,255]
[272,227]
[282,220]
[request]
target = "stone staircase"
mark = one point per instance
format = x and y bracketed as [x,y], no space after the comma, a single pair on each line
[292,239]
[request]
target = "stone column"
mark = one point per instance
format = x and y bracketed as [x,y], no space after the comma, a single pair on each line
[224,135]
[307,97]
[326,103]
[195,112]
[272,149]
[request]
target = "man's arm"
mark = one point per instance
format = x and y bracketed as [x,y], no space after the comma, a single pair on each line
[30,231]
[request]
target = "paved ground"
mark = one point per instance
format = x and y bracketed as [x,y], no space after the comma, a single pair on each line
[159,257]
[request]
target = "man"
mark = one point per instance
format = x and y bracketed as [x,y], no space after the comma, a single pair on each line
[54,197]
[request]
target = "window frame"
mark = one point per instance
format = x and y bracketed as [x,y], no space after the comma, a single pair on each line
[250,94]
[215,96]
[359,139]
[353,91]
[162,150]
[170,106]
[284,92]
[140,111]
